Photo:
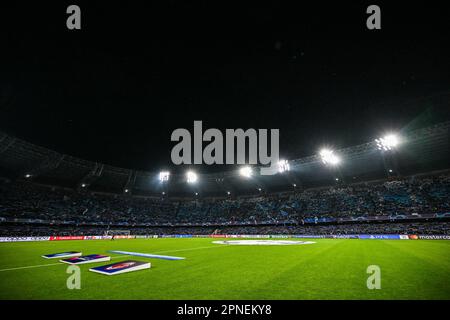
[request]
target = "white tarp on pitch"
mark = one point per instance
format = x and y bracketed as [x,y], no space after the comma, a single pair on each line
[263,242]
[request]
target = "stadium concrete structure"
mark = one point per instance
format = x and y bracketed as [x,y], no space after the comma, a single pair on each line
[420,151]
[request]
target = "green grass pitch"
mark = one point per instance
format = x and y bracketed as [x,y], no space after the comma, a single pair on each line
[328,269]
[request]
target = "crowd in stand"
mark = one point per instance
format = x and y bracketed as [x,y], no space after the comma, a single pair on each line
[412,195]
[424,228]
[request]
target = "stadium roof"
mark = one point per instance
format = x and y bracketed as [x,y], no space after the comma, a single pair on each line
[420,151]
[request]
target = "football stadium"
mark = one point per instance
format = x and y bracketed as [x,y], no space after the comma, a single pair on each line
[171,155]
[314,239]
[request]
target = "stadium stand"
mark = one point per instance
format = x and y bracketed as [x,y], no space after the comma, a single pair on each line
[421,202]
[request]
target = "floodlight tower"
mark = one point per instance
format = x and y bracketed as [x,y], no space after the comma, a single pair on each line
[283,166]
[246,172]
[191,177]
[95,173]
[129,185]
[388,142]
[387,145]
[329,158]
[164,176]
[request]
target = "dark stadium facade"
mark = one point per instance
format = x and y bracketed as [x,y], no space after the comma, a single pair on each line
[421,151]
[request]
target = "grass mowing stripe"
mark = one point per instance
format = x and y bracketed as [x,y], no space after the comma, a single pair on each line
[281,282]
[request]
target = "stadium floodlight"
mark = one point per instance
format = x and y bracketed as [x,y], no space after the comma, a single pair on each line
[283,166]
[328,157]
[164,176]
[191,177]
[388,142]
[246,172]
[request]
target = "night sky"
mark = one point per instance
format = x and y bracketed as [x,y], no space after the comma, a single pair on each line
[115,90]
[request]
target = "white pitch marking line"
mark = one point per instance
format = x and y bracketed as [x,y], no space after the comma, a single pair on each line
[28,267]
[54,264]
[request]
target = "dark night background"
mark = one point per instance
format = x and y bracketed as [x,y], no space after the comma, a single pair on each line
[115,90]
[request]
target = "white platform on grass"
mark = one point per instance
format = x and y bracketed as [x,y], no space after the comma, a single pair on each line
[121,267]
[263,242]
